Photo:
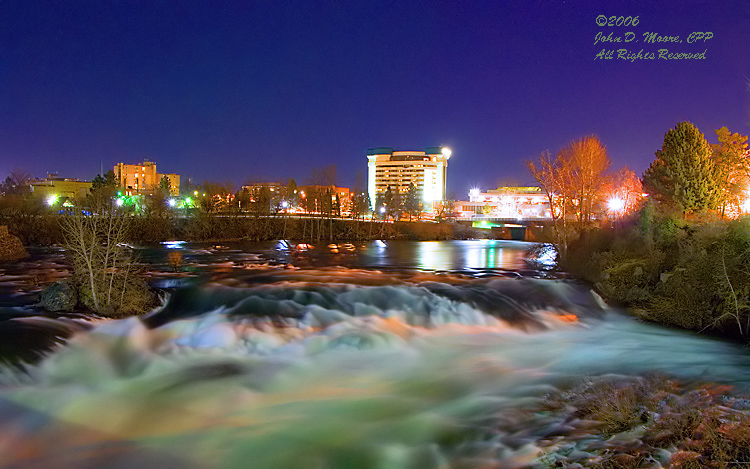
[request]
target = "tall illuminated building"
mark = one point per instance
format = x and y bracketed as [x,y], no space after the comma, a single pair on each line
[400,169]
[143,179]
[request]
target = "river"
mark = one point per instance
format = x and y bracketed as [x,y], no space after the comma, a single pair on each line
[383,355]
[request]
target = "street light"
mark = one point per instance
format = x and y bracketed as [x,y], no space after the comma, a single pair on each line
[616,204]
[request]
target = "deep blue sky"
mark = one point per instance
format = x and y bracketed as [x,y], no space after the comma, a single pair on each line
[267,89]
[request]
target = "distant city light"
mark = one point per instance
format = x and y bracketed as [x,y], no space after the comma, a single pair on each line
[382,209]
[446,152]
[616,204]
[284,204]
[51,200]
[474,192]
[172,202]
[119,202]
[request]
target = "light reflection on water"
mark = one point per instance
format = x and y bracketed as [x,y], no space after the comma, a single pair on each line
[401,254]
[452,255]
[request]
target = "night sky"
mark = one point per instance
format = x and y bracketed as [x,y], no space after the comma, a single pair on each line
[265,90]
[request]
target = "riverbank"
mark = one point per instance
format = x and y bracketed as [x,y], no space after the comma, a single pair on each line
[45,230]
[692,275]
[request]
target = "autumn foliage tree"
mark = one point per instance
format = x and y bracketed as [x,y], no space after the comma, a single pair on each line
[626,186]
[587,163]
[574,181]
[732,166]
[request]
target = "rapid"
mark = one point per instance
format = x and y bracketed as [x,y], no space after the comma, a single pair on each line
[436,354]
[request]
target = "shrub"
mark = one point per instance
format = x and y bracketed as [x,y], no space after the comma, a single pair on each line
[103,269]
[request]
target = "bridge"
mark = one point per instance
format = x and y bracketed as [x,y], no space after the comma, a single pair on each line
[517,228]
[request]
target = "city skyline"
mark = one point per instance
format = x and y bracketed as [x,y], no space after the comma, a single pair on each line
[269,91]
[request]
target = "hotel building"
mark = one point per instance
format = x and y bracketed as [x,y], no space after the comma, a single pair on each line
[400,169]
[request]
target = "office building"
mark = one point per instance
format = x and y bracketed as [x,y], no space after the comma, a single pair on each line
[143,178]
[57,187]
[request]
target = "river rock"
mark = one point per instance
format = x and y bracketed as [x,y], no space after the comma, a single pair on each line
[59,296]
[11,248]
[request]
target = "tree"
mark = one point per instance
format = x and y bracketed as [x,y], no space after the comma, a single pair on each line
[584,162]
[683,177]
[360,205]
[215,197]
[165,186]
[382,201]
[262,199]
[411,202]
[625,185]
[244,199]
[103,190]
[396,206]
[387,203]
[326,206]
[336,205]
[549,175]
[102,267]
[109,182]
[17,183]
[291,193]
[445,210]
[732,169]
[573,181]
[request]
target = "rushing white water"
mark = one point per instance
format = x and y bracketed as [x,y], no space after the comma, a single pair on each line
[334,367]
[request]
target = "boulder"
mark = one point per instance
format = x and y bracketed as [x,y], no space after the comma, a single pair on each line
[59,296]
[11,248]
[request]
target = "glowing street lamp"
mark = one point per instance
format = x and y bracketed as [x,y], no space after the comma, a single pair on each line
[616,205]
[51,200]
[446,152]
[172,202]
[119,202]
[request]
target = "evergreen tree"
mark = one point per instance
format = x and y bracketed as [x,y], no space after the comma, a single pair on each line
[386,203]
[336,206]
[291,193]
[396,206]
[683,176]
[411,202]
[243,199]
[165,186]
